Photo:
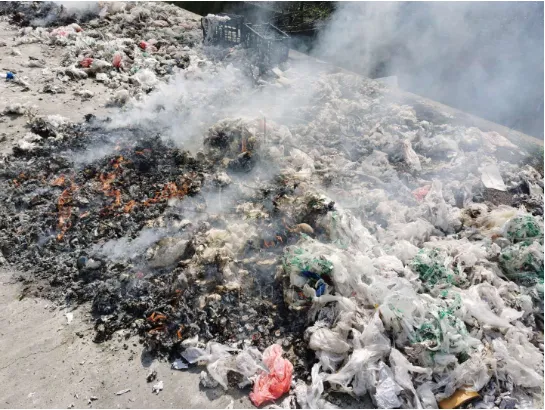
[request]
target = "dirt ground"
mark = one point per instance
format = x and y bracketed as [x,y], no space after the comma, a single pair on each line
[68,104]
[47,362]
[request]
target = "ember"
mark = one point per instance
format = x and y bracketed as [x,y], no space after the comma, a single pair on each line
[58,181]
[129,206]
[65,210]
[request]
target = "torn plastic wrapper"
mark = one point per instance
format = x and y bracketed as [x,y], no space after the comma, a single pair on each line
[179,365]
[491,177]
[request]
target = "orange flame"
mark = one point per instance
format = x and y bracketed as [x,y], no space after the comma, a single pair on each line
[65,210]
[116,163]
[117,195]
[170,190]
[58,181]
[129,206]
[107,180]
[155,317]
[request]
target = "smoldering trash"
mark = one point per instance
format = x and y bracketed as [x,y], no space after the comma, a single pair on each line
[295,233]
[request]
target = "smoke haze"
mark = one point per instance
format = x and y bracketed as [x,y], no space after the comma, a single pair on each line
[485,58]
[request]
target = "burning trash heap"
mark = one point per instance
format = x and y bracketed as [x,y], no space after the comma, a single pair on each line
[347,246]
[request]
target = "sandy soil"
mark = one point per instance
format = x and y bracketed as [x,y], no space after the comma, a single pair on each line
[46,362]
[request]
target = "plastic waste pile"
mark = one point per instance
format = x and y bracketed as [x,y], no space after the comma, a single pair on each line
[417,293]
[310,237]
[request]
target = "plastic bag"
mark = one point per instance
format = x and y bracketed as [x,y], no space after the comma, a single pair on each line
[272,385]
[330,361]
[86,62]
[433,267]
[475,307]
[248,363]
[411,158]
[402,367]
[473,374]
[523,227]
[329,341]
[518,360]
[310,397]
[491,177]
[316,388]
[116,60]
[146,78]
[356,365]
[217,358]
[373,335]
[436,210]
[387,391]
[404,250]
[524,264]
[193,354]
[427,398]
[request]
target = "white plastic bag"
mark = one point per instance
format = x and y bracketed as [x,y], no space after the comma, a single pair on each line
[491,177]
[387,390]
[427,398]
[329,341]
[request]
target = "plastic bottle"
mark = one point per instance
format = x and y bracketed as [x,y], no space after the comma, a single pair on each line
[8,76]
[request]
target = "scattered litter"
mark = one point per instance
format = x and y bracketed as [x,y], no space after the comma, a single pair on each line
[85,94]
[152,375]
[102,77]
[179,365]
[157,387]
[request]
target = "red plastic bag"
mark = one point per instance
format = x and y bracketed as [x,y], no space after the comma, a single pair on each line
[272,385]
[421,192]
[143,45]
[86,62]
[116,62]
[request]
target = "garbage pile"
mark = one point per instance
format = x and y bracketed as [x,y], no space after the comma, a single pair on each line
[343,245]
[127,46]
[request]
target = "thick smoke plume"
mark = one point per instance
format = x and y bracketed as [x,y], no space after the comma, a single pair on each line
[68,9]
[485,58]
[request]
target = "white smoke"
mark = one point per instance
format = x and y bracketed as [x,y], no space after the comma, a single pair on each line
[482,57]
